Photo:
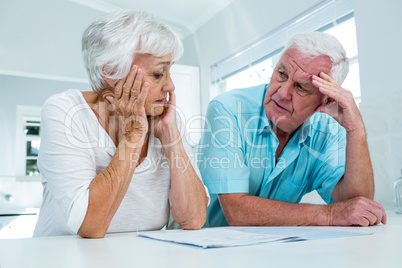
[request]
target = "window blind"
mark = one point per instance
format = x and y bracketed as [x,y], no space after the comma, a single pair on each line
[317,18]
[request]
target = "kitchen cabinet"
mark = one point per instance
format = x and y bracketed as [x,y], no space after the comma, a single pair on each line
[18,224]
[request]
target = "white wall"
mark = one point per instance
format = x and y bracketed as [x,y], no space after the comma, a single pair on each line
[43,36]
[39,38]
[15,91]
[378,29]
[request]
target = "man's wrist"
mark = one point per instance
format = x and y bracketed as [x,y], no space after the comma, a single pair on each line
[323,217]
[357,134]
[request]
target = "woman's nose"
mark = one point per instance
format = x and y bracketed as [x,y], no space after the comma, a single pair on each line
[168,86]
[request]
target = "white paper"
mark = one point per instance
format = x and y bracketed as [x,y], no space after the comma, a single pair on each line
[217,237]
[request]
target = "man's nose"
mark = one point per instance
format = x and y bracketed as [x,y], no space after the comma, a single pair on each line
[286,90]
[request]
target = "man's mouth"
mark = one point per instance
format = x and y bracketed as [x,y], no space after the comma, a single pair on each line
[279,107]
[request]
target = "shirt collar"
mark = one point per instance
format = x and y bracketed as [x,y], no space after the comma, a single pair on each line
[264,124]
[304,131]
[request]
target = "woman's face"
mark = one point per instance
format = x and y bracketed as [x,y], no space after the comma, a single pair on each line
[156,71]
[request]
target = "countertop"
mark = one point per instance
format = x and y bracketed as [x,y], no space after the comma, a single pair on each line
[381,249]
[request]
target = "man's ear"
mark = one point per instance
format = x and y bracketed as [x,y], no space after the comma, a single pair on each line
[106,76]
[327,100]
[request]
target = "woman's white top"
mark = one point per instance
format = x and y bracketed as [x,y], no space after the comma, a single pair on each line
[74,149]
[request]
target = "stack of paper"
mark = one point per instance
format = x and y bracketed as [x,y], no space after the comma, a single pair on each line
[217,237]
[243,236]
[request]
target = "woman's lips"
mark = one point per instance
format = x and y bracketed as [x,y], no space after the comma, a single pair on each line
[161,100]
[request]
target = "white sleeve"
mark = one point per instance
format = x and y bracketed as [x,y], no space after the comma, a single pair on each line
[189,151]
[66,165]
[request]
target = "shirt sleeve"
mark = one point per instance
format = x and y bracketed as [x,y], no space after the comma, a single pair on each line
[330,165]
[65,160]
[220,153]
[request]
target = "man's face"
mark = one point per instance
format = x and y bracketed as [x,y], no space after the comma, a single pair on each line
[291,98]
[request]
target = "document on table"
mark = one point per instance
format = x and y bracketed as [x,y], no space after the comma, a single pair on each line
[243,236]
[216,237]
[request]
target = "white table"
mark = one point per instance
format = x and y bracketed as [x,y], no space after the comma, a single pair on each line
[382,249]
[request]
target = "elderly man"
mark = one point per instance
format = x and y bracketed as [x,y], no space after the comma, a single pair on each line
[265,147]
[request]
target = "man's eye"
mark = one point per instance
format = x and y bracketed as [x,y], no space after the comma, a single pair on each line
[301,91]
[282,75]
[300,88]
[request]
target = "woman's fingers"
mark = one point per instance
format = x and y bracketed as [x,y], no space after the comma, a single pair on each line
[118,89]
[136,87]
[172,98]
[143,94]
[128,83]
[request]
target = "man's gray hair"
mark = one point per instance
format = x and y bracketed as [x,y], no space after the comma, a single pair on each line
[110,44]
[314,44]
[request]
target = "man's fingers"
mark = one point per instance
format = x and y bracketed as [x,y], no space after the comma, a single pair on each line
[380,212]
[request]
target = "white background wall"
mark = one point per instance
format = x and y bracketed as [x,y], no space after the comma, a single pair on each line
[39,39]
[43,36]
[379,37]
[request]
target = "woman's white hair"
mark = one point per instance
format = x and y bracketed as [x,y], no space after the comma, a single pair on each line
[314,44]
[110,44]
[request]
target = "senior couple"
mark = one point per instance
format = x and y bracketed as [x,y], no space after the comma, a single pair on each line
[299,133]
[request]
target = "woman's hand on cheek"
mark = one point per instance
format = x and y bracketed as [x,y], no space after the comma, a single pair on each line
[128,103]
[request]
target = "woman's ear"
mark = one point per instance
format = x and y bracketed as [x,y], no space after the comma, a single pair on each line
[106,76]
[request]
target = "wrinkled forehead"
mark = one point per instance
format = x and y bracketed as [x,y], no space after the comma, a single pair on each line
[293,60]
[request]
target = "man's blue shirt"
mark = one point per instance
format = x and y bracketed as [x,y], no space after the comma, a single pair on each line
[236,153]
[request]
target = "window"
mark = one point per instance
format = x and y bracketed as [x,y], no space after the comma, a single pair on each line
[344,31]
[27,142]
[32,144]
[254,64]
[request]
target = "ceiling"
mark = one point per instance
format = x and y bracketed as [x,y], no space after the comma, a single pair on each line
[185,16]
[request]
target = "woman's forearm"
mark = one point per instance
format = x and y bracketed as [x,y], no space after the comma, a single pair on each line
[188,197]
[108,189]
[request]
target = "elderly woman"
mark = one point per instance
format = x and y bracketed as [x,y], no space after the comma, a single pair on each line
[116,159]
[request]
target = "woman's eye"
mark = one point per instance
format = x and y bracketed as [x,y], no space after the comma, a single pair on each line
[158,75]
